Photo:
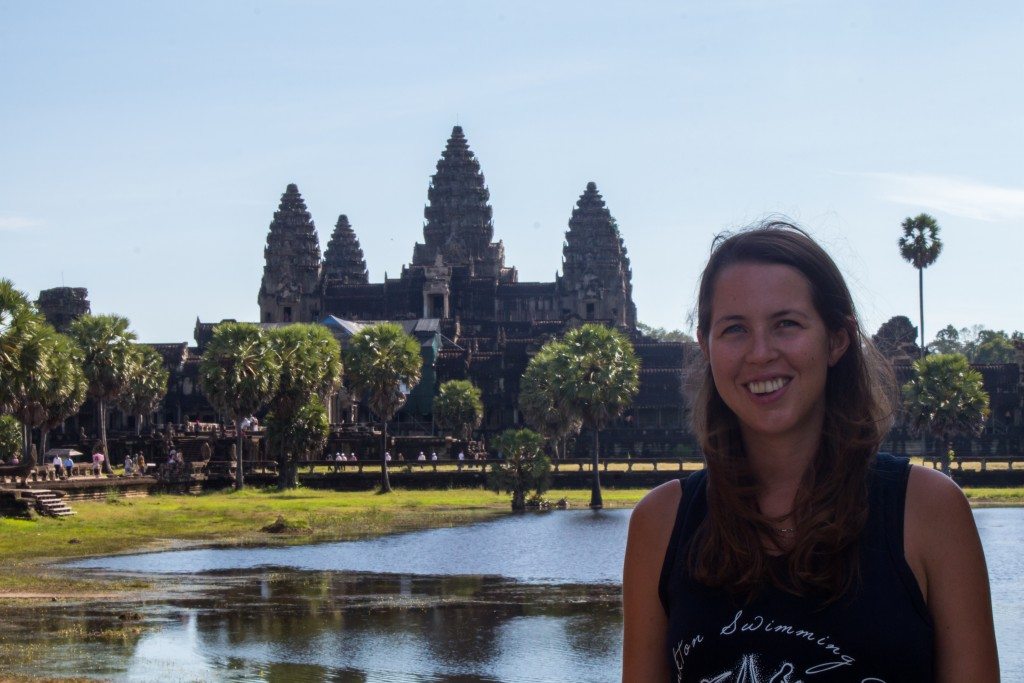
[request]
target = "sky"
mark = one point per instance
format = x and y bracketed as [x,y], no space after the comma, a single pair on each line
[144,147]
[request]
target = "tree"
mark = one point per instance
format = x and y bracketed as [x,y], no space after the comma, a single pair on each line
[661,334]
[67,387]
[296,436]
[992,347]
[522,467]
[10,438]
[17,319]
[310,366]
[539,399]
[920,246]
[897,338]
[947,341]
[946,399]
[239,374]
[384,364]
[145,386]
[598,375]
[108,359]
[458,408]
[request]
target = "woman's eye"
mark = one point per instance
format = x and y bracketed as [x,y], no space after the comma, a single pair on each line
[788,323]
[732,329]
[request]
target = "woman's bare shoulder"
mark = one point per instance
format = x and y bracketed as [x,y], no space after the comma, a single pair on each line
[655,514]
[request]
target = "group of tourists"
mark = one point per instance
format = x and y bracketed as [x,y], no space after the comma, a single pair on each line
[136,466]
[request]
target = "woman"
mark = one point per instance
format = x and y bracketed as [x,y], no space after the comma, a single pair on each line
[799,554]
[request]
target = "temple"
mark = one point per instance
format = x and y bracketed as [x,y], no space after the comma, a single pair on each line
[488,323]
[475,320]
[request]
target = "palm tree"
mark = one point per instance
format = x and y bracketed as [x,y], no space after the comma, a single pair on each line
[946,398]
[146,385]
[523,466]
[598,375]
[310,360]
[920,246]
[17,322]
[384,364]
[27,388]
[538,399]
[294,438]
[458,408]
[239,374]
[67,388]
[108,359]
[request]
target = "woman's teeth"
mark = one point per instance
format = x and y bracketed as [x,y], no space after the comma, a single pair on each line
[768,386]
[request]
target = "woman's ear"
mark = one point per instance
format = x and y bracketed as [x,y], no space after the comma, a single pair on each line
[838,343]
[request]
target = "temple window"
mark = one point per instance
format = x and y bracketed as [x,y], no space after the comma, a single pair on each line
[287,314]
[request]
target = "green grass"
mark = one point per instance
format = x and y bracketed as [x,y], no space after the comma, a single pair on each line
[228,518]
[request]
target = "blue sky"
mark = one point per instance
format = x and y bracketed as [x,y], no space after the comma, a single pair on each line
[145,146]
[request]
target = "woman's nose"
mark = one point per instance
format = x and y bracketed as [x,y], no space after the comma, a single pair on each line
[762,348]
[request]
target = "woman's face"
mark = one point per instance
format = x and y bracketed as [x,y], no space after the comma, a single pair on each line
[770,351]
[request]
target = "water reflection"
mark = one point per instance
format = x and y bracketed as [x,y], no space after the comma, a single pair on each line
[320,626]
[527,598]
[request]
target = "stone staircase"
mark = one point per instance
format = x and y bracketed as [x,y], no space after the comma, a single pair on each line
[50,503]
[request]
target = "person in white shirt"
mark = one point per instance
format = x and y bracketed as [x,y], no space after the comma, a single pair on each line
[433,456]
[387,456]
[421,457]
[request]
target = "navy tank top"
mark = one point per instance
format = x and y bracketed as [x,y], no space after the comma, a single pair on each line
[881,632]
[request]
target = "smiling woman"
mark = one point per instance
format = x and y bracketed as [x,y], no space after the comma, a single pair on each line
[799,551]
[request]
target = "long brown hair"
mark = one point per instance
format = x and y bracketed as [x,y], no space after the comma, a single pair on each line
[831,507]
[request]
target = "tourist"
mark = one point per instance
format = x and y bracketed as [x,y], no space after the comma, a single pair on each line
[97,462]
[433,456]
[140,464]
[462,456]
[58,467]
[387,456]
[799,550]
[245,424]
[421,457]
[128,465]
[69,466]
[352,457]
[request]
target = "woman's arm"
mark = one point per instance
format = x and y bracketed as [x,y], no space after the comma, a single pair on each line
[942,547]
[644,657]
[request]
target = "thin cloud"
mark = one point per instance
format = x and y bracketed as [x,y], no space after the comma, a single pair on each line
[16,223]
[955,196]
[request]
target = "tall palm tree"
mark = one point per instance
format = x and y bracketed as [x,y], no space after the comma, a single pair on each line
[17,321]
[458,408]
[310,366]
[67,388]
[946,398]
[145,387]
[598,375]
[383,365]
[28,386]
[239,374]
[539,399]
[920,246]
[108,360]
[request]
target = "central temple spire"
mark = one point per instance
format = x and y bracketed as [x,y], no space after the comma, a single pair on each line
[458,217]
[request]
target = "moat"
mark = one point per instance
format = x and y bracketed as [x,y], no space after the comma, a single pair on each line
[524,598]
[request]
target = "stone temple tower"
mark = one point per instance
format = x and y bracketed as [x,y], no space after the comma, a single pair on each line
[458,217]
[344,263]
[291,277]
[597,279]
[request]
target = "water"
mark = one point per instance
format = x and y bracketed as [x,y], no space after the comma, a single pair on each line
[524,598]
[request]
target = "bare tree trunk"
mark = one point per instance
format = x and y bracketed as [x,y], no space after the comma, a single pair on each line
[239,475]
[596,502]
[920,299]
[385,481]
[103,436]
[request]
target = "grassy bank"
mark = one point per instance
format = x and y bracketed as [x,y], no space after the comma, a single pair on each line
[117,525]
[228,518]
